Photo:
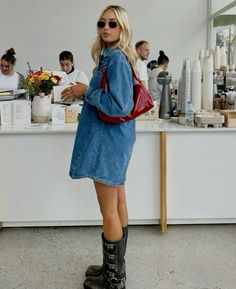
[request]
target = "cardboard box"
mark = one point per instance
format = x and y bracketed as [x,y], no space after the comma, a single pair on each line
[152,114]
[71,116]
[230,117]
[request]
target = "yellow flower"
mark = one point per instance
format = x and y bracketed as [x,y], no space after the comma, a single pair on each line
[47,74]
[54,80]
[31,81]
[44,76]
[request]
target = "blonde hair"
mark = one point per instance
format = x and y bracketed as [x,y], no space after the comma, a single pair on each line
[124,43]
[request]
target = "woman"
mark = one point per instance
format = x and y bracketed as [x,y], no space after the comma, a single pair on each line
[67,65]
[9,79]
[102,151]
[154,87]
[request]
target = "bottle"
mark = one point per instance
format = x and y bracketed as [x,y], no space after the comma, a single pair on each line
[189,114]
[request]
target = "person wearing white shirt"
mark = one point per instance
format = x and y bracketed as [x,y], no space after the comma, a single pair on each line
[154,88]
[143,50]
[9,79]
[67,65]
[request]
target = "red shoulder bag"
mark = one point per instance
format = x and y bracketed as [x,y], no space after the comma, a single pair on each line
[142,101]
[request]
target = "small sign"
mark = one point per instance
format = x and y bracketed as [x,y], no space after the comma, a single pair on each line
[6,109]
[21,112]
[58,114]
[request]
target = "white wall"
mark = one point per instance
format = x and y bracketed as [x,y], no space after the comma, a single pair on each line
[40,30]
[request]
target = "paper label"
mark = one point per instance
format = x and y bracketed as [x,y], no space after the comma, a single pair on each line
[58,114]
[21,112]
[6,109]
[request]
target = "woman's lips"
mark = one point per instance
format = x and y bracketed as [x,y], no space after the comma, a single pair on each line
[105,34]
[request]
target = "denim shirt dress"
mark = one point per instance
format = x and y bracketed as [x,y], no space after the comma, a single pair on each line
[102,150]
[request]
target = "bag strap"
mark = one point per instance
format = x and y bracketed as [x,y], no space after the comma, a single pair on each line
[134,73]
[104,75]
[103,80]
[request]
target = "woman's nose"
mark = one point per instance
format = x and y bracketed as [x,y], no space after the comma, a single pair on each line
[107,25]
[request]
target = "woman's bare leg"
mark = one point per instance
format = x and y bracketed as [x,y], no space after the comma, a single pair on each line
[122,206]
[108,202]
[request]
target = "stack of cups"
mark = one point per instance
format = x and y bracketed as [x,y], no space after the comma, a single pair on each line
[207,91]
[196,85]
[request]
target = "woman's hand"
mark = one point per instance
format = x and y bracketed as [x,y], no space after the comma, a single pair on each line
[74,92]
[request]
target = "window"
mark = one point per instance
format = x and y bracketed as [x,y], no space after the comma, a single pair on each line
[222,27]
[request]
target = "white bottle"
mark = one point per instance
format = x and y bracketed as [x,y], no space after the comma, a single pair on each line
[189,114]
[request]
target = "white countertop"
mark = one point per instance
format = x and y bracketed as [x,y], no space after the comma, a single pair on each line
[35,128]
[170,126]
[141,126]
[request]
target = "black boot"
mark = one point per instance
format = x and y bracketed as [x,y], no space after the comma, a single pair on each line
[113,276]
[96,270]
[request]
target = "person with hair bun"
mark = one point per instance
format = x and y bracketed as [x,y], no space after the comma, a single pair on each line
[9,79]
[154,87]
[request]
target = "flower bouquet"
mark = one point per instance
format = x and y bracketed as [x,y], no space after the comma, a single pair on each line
[40,82]
[39,85]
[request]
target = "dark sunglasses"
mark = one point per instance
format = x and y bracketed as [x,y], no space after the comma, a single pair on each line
[102,24]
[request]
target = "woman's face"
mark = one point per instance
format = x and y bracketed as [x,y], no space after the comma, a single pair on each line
[165,66]
[110,33]
[66,65]
[6,67]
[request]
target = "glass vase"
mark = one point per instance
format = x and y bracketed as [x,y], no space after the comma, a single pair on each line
[41,108]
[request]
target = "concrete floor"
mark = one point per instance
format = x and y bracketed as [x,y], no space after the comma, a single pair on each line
[186,257]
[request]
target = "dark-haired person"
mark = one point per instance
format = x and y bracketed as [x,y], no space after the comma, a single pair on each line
[67,65]
[143,50]
[152,64]
[154,87]
[9,79]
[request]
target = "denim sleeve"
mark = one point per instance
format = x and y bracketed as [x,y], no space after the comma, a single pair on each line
[118,99]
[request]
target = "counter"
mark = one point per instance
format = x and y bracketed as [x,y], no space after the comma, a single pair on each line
[192,169]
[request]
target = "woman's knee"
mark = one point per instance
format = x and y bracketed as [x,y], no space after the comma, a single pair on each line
[109,213]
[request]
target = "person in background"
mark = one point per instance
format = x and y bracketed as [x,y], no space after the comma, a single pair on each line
[143,50]
[67,65]
[154,87]
[9,79]
[152,64]
[102,150]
